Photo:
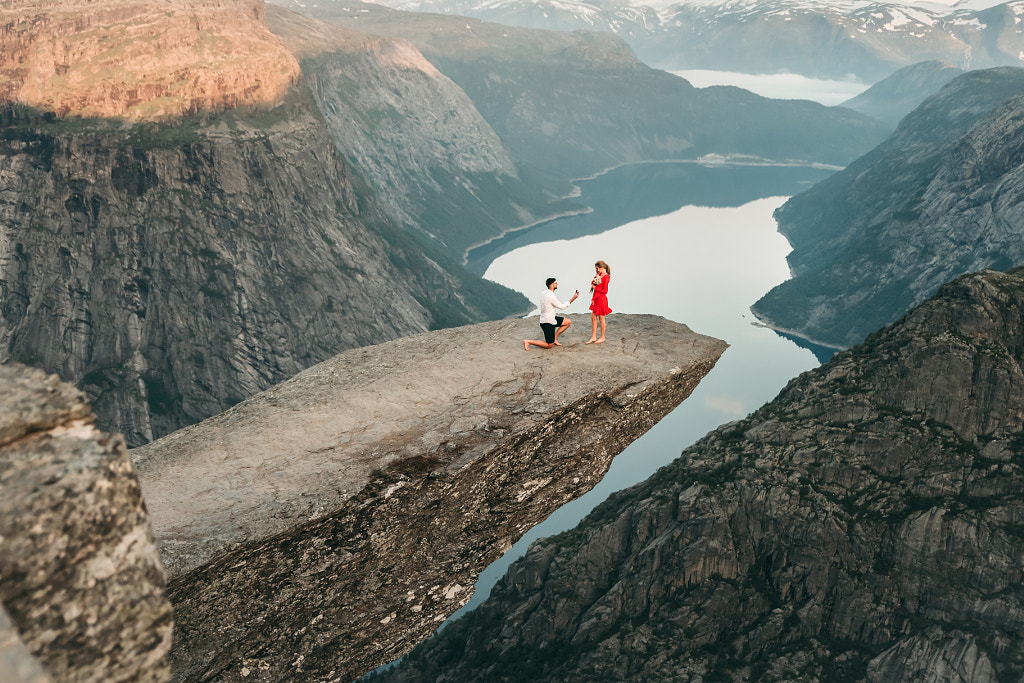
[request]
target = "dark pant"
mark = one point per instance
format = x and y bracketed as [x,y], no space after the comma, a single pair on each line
[549,329]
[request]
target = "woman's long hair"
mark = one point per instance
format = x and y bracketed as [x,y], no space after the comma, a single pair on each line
[605,266]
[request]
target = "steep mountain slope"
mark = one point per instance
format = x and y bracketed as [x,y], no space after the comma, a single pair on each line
[863,526]
[939,198]
[436,164]
[174,266]
[894,97]
[572,104]
[838,38]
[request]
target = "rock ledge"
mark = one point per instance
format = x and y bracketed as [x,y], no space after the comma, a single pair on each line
[358,502]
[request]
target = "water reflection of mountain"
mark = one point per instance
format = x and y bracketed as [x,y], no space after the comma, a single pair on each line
[654,189]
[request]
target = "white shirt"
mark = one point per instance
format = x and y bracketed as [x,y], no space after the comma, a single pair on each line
[548,304]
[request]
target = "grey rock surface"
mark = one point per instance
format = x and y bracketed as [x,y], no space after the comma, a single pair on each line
[360,500]
[80,577]
[866,525]
[180,269]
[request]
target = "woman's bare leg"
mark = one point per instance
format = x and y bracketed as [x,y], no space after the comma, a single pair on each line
[593,326]
[601,340]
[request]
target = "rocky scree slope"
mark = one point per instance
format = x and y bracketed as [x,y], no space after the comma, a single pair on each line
[322,528]
[172,268]
[866,525]
[81,584]
[437,165]
[941,197]
[573,104]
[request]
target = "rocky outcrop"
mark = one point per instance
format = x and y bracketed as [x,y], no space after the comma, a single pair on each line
[436,164]
[320,529]
[864,526]
[897,95]
[572,104]
[939,198]
[140,60]
[81,585]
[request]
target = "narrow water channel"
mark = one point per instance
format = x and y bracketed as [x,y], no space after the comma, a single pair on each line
[703,263]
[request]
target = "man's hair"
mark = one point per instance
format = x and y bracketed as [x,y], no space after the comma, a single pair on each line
[547,283]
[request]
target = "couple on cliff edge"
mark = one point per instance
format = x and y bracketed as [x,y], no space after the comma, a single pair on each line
[554,325]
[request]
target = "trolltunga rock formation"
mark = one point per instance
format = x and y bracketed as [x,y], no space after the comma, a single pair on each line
[323,527]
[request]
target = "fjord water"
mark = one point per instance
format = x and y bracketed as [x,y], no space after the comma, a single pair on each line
[703,264]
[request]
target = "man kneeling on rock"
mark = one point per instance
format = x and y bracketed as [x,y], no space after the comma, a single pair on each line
[551,324]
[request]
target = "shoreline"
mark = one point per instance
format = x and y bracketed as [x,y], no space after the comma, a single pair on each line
[708,160]
[768,324]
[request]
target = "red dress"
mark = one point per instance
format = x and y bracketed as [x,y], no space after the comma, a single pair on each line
[599,302]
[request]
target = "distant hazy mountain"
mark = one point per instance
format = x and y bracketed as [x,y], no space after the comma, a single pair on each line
[572,104]
[835,38]
[891,99]
[941,197]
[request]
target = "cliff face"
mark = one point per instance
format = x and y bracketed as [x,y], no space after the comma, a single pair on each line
[322,528]
[437,165]
[81,584]
[864,525]
[939,198]
[571,104]
[140,60]
[172,280]
[173,268]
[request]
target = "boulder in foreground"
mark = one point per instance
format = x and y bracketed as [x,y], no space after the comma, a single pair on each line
[80,578]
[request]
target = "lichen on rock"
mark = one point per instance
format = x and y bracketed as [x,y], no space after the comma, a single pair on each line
[80,577]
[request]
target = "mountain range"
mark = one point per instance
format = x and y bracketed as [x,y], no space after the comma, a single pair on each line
[894,97]
[574,104]
[939,198]
[864,39]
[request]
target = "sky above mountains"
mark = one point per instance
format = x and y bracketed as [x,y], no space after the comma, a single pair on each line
[934,5]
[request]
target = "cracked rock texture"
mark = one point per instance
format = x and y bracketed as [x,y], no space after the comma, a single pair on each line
[358,502]
[81,583]
[866,525]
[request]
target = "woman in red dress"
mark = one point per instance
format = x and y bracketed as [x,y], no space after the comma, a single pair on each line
[599,301]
